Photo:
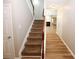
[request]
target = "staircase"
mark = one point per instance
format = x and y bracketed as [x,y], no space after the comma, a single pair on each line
[34,47]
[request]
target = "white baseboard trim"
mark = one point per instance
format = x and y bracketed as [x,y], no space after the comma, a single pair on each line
[66,45]
[25,39]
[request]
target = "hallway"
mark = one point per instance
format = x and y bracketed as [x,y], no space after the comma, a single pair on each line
[25,35]
[55,48]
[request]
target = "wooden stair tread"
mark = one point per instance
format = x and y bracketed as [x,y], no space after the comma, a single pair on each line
[37,25]
[38,33]
[33,42]
[36,30]
[35,37]
[35,34]
[38,20]
[31,58]
[32,51]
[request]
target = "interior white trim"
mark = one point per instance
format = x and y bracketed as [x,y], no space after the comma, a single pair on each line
[66,45]
[44,39]
[25,39]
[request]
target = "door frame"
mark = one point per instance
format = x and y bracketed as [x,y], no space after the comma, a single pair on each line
[11,40]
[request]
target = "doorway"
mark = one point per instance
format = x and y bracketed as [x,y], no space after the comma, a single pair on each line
[54,21]
[8,41]
[51,17]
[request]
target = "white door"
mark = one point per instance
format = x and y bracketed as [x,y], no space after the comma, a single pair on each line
[8,42]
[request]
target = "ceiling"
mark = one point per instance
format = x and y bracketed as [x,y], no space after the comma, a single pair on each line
[54,3]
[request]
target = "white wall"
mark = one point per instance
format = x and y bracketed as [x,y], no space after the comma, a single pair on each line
[30,6]
[53,3]
[38,9]
[50,12]
[22,18]
[66,24]
[59,21]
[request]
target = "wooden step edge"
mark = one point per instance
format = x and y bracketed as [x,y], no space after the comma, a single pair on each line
[30,56]
[34,37]
[37,28]
[33,44]
[35,33]
[39,20]
[41,23]
[31,53]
